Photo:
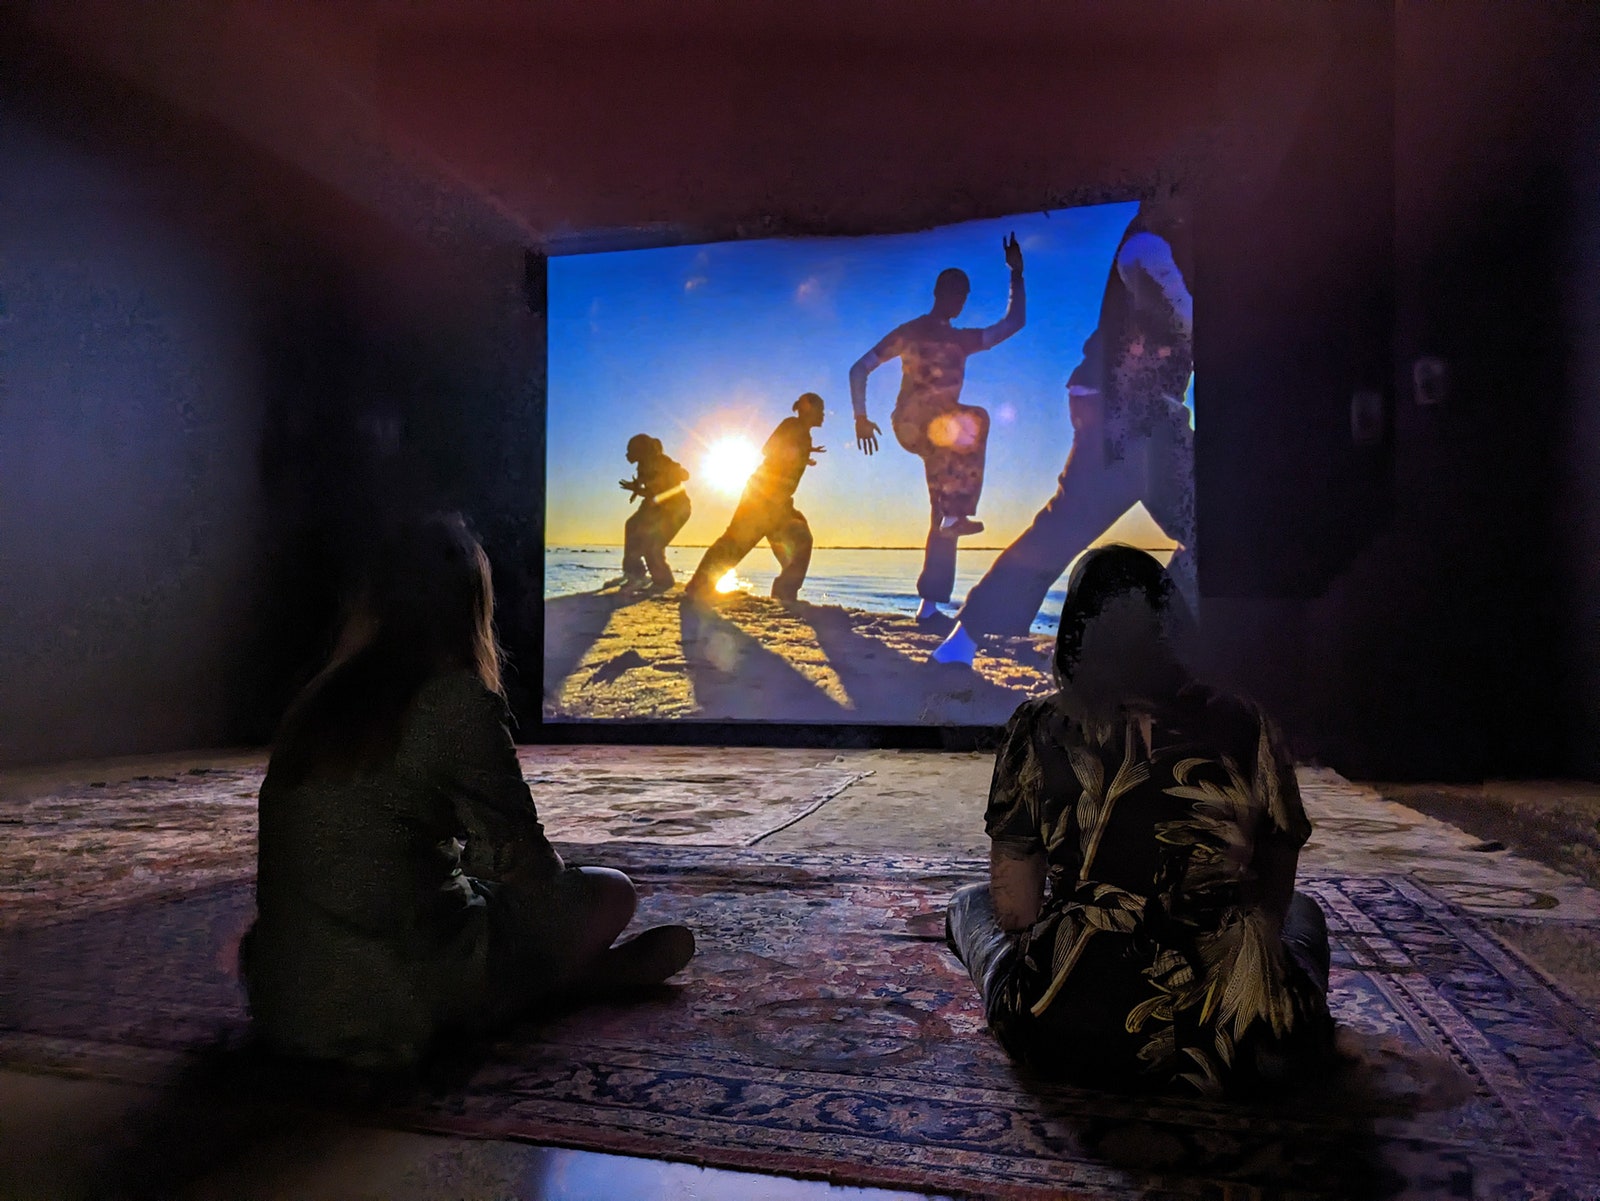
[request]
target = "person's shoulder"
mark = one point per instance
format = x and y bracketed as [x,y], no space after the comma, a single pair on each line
[459,694]
[1230,722]
[1141,244]
[914,330]
[1149,253]
[1036,714]
[1220,707]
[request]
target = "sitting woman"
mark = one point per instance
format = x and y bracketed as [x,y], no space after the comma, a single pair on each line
[1140,929]
[405,886]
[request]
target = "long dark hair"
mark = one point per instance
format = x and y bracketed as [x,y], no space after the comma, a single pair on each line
[1152,672]
[427,609]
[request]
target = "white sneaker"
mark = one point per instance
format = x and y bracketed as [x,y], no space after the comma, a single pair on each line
[957,648]
[927,611]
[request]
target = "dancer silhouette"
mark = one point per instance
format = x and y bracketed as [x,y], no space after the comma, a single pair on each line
[930,420]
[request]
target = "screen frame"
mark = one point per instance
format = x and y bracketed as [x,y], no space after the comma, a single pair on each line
[530,725]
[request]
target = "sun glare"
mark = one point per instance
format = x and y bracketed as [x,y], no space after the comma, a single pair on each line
[729,581]
[728,464]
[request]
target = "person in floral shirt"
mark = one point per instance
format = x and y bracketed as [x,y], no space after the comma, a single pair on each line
[1141,929]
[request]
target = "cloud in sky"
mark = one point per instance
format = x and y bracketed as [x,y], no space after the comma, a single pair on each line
[811,293]
[694,282]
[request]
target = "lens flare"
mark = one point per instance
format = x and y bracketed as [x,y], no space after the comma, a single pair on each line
[728,463]
[954,431]
[729,581]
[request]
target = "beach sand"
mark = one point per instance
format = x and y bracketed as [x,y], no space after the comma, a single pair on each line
[750,658]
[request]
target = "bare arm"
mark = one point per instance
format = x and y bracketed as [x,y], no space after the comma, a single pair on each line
[1016,882]
[866,429]
[1017,306]
[859,370]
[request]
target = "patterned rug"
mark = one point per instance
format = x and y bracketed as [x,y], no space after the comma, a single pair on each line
[107,843]
[825,1031]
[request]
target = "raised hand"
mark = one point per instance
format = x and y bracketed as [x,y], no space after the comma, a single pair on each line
[867,432]
[1013,252]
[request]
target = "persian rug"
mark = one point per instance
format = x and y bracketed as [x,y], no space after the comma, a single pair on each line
[105,843]
[1358,832]
[825,1031]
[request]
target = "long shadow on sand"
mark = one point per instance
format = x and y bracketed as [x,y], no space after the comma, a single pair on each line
[572,624]
[887,685]
[736,678]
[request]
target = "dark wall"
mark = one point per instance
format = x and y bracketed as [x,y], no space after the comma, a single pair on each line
[219,382]
[1378,182]
[130,404]
[1438,654]
[1579,526]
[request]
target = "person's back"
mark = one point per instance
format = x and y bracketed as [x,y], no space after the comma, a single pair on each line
[660,473]
[405,887]
[784,458]
[1150,958]
[360,889]
[1141,928]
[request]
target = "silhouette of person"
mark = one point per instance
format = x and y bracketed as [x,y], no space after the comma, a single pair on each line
[766,509]
[929,419]
[659,483]
[1132,439]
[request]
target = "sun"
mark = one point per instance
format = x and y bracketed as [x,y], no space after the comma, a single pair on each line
[728,463]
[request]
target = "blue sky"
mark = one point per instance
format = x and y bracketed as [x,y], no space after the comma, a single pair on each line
[696,343]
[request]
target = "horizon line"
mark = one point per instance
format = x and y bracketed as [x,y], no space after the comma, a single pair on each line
[707,546]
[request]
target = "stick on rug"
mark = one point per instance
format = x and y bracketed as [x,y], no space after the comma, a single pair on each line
[102,844]
[825,1030]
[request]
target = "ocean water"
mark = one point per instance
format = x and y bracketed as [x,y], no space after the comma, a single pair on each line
[878,581]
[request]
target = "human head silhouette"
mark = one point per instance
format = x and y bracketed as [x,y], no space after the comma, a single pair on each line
[950,293]
[810,409]
[1119,623]
[643,446]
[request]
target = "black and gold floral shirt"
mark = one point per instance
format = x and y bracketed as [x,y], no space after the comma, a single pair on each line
[1156,954]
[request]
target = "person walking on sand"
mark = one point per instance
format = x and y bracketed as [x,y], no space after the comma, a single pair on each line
[660,483]
[766,509]
[929,419]
[1132,437]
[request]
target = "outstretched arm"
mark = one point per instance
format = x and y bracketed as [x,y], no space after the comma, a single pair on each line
[866,429]
[1017,307]
[859,370]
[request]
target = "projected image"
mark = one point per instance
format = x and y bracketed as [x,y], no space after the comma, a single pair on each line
[854,472]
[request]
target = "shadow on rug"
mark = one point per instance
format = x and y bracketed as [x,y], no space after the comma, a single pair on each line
[826,1031]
